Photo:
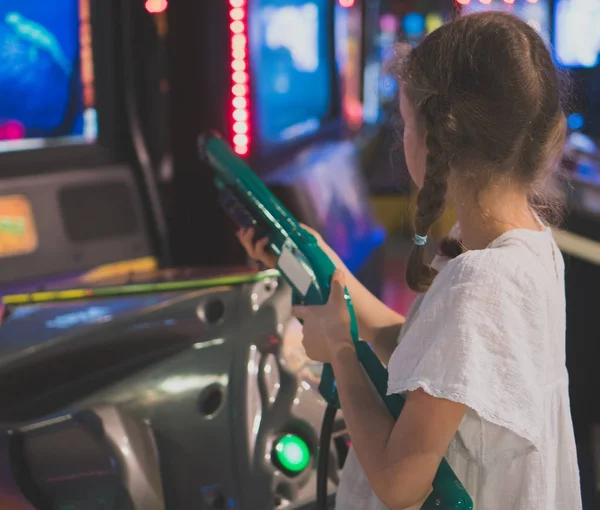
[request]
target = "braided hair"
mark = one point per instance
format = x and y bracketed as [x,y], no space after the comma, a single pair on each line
[488,98]
[431,200]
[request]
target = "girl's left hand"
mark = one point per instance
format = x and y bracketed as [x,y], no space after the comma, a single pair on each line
[326,328]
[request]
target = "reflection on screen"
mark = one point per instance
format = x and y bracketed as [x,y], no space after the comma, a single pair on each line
[88,315]
[535,14]
[291,61]
[46,74]
[577,33]
[33,325]
[18,235]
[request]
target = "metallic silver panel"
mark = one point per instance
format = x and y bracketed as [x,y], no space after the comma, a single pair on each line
[135,445]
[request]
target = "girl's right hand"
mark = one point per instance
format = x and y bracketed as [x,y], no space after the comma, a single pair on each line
[260,252]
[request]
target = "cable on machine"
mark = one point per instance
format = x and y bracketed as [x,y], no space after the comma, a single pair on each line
[323,458]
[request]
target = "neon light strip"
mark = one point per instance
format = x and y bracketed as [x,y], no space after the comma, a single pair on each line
[141,288]
[240,114]
[87,57]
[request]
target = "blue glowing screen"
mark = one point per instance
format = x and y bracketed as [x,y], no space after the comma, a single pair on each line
[577,32]
[290,51]
[42,92]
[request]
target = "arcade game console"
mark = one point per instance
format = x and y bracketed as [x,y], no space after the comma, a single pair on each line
[579,241]
[82,324]
[77,192]
[386,24]
[577,48]
[150,396]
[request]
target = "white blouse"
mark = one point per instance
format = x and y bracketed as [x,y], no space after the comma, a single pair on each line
[490,333]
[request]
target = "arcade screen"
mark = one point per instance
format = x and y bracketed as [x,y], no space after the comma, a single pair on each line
[536,13]
[18,234]
[290,51]
[577,33]
[33,325]
[386,25]
[46,74]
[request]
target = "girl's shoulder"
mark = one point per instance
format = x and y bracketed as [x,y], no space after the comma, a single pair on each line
[525,259]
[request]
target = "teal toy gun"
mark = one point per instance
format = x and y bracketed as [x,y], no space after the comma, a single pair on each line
[308,270]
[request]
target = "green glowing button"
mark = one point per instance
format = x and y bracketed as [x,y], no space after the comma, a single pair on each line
[292,454]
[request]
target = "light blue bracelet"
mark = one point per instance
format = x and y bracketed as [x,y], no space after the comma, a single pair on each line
[420,240]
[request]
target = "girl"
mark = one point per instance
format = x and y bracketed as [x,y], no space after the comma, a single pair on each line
[481,356]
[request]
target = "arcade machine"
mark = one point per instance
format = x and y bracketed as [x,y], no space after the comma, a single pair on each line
[154,396]
[386,23]
[112,351]
[577,48]
[74,195]
[264,74]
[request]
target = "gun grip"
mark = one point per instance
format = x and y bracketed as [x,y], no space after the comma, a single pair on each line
[327,386]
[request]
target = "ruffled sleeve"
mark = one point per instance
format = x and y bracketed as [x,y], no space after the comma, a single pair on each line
[476,339]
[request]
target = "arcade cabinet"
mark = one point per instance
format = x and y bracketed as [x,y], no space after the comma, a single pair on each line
[577,49]
[386,23]
[151,396]
[264,74]
[75,191]
[579,241]
[136,393]
[70,184]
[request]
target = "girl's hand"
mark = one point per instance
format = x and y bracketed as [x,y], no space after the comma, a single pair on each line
[257,251]
[327,328]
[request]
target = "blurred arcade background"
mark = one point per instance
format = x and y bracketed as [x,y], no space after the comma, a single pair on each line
[105,206]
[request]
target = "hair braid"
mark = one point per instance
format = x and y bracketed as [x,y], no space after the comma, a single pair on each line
[432,197]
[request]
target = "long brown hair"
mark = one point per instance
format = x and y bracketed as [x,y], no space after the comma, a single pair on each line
[490,100]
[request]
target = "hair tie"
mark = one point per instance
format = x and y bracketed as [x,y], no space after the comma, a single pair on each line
[420,240]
